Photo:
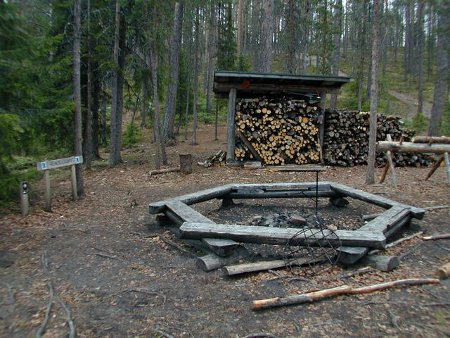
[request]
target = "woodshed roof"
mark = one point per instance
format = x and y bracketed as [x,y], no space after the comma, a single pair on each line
[273,84]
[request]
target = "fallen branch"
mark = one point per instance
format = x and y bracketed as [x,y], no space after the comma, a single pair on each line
[436,237]
[44,261]
[178,247]
[337,291]
[106,256]
[437,207]
[12,298]
[404,239]
[69,321]
[164,171]
[358,272]
[41,329]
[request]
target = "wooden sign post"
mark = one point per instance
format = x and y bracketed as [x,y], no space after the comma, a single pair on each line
[62,162]
[24,202]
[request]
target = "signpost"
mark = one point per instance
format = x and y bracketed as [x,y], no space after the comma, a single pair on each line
[52,164]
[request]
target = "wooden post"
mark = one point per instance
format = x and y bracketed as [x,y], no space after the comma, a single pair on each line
[435,166]
[231,141]
[48,194]
[447,163]
[323,100]
[216,124]
[186,163]
[389,165]
[24,203]
[74,182]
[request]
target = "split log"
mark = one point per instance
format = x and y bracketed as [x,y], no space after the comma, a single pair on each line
[234,270]
[337,291]
[444,271]
[382,263]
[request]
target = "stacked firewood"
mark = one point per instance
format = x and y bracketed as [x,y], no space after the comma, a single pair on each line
[277,131]
[346,139]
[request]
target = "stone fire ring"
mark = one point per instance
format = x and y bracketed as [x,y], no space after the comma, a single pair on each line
[223,239]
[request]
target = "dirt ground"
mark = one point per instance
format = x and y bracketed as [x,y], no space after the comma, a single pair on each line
[108,262]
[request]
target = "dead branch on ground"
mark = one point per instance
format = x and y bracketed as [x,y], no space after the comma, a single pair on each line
[436,237]
[41,329]
[69,321]
[337,291]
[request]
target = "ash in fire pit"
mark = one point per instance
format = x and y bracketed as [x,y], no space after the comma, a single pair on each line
[291,220]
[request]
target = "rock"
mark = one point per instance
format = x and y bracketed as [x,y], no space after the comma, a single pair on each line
[297,220]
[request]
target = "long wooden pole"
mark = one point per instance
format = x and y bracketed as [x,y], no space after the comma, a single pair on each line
[48,194]
[311,297]
[413,147]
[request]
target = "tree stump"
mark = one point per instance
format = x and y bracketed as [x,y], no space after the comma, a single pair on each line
[186,163]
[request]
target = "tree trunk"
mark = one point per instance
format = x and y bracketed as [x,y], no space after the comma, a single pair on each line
[419,59]
[291,23]
[144,101]
[116,117]
[77,93]
[211,60]
[89,144]
[370,179]
[441,85]
[267,30]
[240,27]
[175,43]
[195,85]
[161,157]
[337,47]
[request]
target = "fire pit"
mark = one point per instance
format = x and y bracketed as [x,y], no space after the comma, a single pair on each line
[223,239]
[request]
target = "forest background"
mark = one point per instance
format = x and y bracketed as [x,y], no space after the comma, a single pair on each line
[71,69]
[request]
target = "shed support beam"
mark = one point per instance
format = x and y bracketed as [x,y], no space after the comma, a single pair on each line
[231,139]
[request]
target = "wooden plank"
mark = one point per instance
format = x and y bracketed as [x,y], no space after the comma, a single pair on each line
[374,199]
[283,186]
[385,221]
[186,213]
[280,236]
[180,213]
[193,198]
[231,127]
[233,270]
[62,162]
[388,222]
[349,255]
[248,145]
[281,194]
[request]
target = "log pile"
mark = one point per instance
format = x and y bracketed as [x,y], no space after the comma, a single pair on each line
[346,139]
[285,130]
[278,131]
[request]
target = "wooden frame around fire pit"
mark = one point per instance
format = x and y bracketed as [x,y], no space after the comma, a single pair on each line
[372,234]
